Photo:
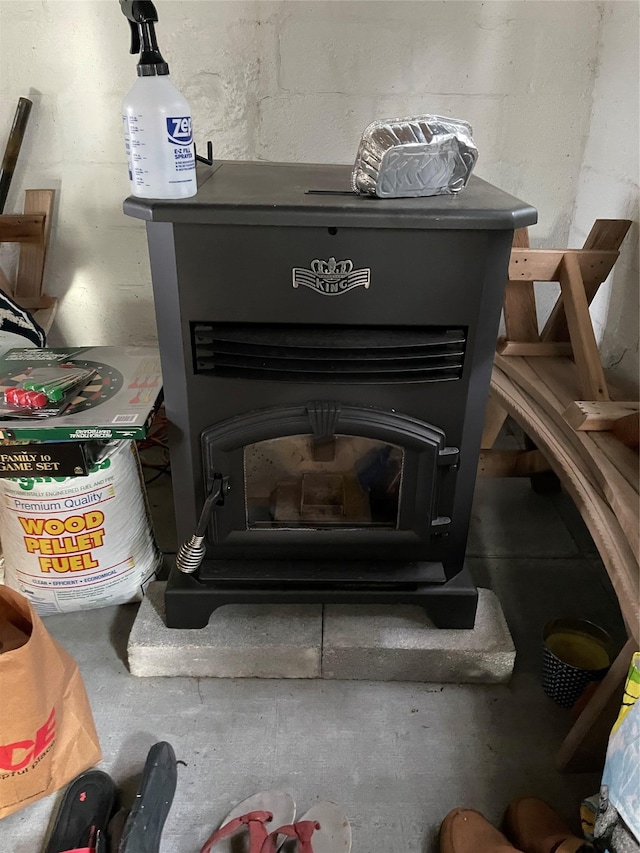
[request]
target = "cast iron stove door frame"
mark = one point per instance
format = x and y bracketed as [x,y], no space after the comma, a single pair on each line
[427,460]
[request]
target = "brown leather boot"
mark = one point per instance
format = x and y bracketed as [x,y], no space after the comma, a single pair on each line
[534,827]
[466,831]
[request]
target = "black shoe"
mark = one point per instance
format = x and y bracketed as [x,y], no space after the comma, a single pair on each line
[145,822]
[84,814]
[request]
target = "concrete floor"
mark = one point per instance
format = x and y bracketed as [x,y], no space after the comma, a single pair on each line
[397,756]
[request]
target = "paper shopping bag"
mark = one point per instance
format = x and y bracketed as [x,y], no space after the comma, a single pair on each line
[47,734]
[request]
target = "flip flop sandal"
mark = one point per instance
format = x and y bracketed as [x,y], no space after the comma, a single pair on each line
[145,822]
[116,828]
[84,813]
[259,815]
[323,829]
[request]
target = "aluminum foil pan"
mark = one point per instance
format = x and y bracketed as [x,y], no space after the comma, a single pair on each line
[410,157]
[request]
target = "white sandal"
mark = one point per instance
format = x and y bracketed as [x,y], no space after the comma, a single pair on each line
[260,815]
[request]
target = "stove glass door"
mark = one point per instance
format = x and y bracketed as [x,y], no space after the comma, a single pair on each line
[300,481]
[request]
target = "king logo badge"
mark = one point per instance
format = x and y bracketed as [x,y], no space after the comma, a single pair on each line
[331,278]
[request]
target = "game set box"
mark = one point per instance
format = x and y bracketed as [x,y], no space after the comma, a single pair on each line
[118,401]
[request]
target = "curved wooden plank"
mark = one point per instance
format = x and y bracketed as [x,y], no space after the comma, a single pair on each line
[617,556]
[561,377]
[546,381]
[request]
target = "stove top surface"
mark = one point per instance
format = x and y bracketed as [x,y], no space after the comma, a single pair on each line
[238,192]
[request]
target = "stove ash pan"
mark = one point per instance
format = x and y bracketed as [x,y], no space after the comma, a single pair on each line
[326,362]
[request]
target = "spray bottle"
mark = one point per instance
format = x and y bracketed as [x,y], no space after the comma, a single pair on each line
[156,117]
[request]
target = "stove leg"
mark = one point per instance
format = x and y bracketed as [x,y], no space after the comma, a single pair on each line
[452,604]
[185,605]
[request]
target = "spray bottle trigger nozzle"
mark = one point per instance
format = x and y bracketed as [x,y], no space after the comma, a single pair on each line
[135,38]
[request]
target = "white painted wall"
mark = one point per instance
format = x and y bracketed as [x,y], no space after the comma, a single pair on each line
[300,81]
[609,185]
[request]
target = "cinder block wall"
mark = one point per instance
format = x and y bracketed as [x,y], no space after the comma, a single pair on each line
[608,183]
[300,81]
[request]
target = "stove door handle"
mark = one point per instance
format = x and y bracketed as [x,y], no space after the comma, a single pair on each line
[191,553]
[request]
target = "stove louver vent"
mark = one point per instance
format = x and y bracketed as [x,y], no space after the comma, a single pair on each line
[327,353]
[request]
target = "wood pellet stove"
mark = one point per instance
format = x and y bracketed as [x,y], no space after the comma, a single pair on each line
[326,361]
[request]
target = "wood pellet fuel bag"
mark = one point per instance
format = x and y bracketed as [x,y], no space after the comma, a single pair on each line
[74,543]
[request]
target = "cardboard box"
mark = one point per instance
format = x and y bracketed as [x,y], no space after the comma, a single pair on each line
[118,402]
[50,459]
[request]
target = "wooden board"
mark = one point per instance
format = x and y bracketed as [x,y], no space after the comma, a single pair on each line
[32,257]
[627,430]
[32,230]
[511,463]
[43,309]
[520,318]
[535,348]
[584,748]
[17,228]
[583,340]
[44,317]
[593,416]
[521,238]
[607,234]
[494,419]
[544,264]
[5,284]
